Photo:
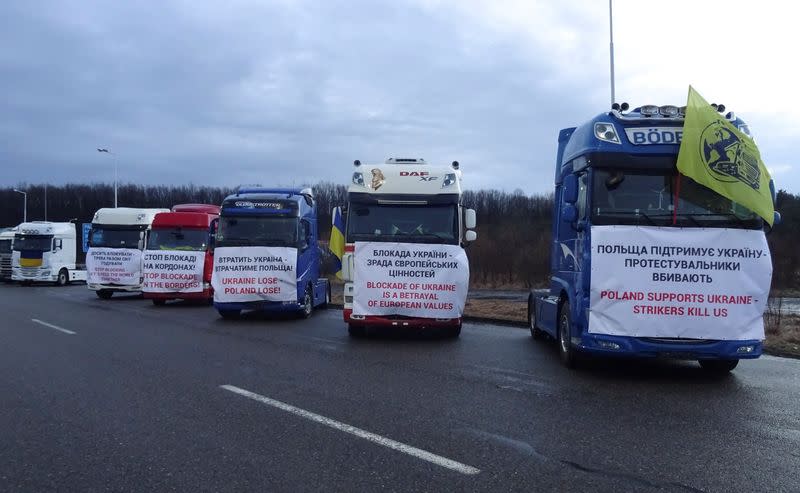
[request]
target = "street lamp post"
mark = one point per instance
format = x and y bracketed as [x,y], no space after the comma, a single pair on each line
[114,158]
[24,205]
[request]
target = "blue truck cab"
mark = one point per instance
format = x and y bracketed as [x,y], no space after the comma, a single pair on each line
[618,170]
[284,218]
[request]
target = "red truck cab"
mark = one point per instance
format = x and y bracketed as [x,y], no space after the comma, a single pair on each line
[176,242]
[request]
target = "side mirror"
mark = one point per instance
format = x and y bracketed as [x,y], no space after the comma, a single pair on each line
[570,189]
[469,219]
[569,214]
[776,219]
[470,236]
[57,244]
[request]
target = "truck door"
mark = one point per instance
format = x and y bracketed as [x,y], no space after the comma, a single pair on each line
[582,239]
[307,266]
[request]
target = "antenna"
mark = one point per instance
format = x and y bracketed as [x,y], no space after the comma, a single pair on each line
[611,46]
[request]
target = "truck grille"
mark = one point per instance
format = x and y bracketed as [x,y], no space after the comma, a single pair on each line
[668,340]
[5,266]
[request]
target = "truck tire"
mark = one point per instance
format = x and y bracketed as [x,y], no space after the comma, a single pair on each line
[718,366]
[536,332]
[308,303]
[327,301]
[565,350]
[453,332]
[230,314]
[104,294]
[63,277]
[356,331]
[159,302]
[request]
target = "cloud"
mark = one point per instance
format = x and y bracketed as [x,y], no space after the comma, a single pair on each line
[285,92]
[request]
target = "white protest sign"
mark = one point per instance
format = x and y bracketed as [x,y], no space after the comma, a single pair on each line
[173,271]
[411,279]
[256,273]
[120,266]
[696,283]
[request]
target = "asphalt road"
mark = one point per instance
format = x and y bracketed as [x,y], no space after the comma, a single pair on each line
[144,398]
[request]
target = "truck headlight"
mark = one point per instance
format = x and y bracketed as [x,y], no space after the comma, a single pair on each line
[449,179]
[358,178]
[606,132]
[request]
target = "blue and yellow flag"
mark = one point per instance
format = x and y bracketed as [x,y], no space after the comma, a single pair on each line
[337,240]
[718,155]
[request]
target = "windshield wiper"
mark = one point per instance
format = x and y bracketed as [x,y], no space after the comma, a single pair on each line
[729,215]
[630,213]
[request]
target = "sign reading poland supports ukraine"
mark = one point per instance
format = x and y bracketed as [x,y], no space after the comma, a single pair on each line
[257,273]
[698,283]
[415,280]
[120,266]
[167,271]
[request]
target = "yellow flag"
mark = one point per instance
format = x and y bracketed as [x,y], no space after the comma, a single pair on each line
[716,154]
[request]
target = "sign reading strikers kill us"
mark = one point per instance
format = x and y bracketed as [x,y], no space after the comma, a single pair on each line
[257,273]
[411,279]
[172,271]
[119,266]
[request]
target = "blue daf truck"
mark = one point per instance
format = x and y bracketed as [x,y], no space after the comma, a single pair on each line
[266,253]
[645,261]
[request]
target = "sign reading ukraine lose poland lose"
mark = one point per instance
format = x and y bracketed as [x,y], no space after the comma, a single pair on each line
[120,266]
[415,280]
[254,273]
[701,283]
[166,271]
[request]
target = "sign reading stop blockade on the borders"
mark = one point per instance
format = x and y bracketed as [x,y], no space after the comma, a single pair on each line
[166,271]
[257,273]
[411,279]
[120,266]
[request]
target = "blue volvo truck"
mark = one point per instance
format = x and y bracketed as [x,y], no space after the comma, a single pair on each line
[645,261]
[266,254]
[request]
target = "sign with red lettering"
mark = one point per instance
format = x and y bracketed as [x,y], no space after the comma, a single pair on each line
[119,266]
[254,273]
[695,283]
[411,279]
[172,271]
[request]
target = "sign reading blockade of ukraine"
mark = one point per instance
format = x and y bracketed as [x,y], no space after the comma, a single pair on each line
[168,271]
[701,283]
[120,266]
[257,273]
[411,279]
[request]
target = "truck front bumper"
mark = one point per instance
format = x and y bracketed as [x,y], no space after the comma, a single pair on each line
[261,306]
[32,274]
[651,347]
[116,288]
[205,295]
[403,322]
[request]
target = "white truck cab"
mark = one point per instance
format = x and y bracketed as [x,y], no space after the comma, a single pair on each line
[47,252]
[6,242]
[116,242]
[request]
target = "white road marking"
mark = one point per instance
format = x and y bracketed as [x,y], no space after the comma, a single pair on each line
[54,327]
[366,435]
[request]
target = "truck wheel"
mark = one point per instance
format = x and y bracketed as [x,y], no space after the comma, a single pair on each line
[104,294]
[327,302]
[565,349]
[718,366]
[453,332]
[356,331]
[536,332]
[308,303]
[63,278]
[159,302]
[229,314]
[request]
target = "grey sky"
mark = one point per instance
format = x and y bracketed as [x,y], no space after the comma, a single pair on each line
[282,92]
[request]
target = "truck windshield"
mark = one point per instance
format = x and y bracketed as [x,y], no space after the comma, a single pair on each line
[257,231]
[178,239]
[114,237]
[635,197]
[5,246]
[41,243]
[403,223]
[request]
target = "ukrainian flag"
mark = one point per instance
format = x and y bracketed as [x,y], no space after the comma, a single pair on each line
[30,258]
[336,244]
